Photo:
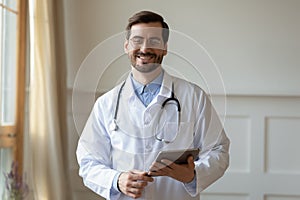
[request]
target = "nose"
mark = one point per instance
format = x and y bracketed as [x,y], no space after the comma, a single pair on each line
[144,46]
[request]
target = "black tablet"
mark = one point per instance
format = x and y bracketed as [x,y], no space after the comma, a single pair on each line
[177,156]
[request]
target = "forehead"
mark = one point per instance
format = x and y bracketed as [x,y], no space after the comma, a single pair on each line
[152,29]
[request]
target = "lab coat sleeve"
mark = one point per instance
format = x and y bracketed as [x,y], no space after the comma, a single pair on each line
[213,142]
[93,155]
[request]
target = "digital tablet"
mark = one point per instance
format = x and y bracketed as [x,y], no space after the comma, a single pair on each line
[178,156]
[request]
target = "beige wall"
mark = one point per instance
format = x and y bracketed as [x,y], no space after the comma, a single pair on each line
[254,43]
[256,48]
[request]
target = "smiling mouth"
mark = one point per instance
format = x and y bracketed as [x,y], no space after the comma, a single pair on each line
[145,56]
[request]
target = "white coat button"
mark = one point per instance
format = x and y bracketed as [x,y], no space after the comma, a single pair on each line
[148,147]
[147,119]
[147,122]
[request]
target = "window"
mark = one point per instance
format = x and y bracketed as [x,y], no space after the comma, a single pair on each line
[12,78]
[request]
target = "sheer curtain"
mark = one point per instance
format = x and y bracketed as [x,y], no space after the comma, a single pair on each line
[45,160]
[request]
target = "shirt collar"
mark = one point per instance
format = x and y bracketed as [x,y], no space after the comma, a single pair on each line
[155,84]
[164,92]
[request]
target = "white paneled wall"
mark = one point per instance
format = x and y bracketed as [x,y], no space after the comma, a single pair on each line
[265,161]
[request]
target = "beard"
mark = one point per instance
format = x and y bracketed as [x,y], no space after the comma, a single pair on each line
[146,62]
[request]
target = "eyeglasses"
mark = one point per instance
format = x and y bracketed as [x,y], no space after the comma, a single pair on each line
[137,42]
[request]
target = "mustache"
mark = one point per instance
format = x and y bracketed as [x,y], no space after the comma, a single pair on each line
[148,54]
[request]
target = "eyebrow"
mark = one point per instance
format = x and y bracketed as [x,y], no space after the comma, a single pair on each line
[136,36]
[154,37]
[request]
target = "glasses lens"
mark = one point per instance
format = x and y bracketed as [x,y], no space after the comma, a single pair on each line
[138,42]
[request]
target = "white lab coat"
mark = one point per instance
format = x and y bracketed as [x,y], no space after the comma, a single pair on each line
[101,152]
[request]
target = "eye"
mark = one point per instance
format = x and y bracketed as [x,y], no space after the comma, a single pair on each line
[154,41]
[137,40]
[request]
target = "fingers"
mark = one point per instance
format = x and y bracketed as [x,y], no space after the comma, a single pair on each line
[135,189]
[163,168]
[181,172]
[132,183]
[141,176]
[135,171]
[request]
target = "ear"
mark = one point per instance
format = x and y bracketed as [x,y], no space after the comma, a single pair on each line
[126,43]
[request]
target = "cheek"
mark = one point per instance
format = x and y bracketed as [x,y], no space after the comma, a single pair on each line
[130,54]
[160,54]
[132,51]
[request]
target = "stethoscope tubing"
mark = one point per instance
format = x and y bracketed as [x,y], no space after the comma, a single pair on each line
[114,126]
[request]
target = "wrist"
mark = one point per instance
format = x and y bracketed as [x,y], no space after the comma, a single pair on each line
[118,181]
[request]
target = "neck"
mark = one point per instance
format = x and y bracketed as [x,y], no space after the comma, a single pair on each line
[145,78]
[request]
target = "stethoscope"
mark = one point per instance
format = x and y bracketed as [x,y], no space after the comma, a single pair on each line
[114,125]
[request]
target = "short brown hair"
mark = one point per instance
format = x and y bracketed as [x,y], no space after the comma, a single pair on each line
[147,17]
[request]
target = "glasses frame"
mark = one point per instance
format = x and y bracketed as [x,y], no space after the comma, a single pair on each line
[152,42]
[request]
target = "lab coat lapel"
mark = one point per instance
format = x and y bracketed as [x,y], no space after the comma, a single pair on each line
[131,111]
[166,88]
[132,114]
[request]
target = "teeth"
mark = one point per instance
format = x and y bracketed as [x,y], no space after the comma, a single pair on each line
[145,57]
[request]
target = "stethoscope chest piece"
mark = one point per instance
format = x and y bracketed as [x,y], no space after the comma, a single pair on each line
[113,126]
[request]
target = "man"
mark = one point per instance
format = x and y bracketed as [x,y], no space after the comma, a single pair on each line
[149,112]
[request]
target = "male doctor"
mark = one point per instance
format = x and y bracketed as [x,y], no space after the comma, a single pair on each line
[149,112]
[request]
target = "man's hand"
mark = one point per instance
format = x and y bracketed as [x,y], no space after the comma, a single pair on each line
[184,173]
[132,183]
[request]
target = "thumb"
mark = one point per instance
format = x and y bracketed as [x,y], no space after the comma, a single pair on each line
[190,161]
[135,171]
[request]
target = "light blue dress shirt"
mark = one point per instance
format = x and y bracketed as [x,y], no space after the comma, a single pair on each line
[146,93]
